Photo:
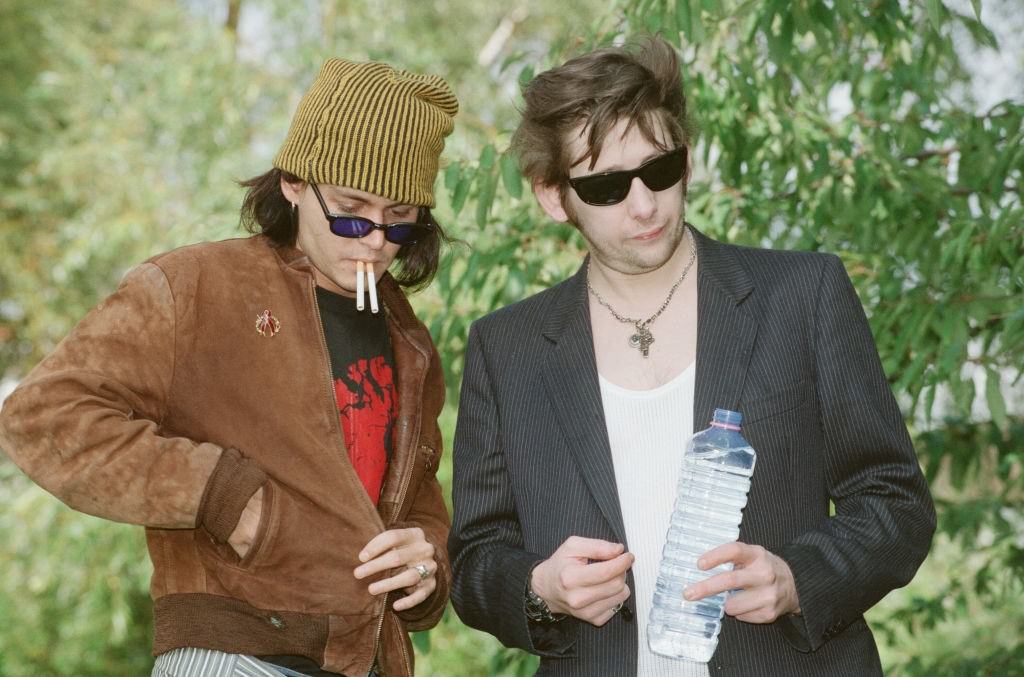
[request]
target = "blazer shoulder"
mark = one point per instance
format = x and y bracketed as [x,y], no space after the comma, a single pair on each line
[785,267]
[779,257]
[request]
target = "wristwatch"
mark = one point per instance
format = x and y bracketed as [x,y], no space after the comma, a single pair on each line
[537,609]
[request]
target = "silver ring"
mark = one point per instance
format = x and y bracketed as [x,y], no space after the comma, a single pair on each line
[423,571]
[617,608]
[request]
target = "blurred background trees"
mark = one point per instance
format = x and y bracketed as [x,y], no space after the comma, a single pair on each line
[887,132]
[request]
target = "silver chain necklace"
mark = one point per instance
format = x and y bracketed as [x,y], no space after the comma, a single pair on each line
[642,338]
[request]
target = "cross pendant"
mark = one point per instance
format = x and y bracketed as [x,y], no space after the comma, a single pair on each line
[642,340]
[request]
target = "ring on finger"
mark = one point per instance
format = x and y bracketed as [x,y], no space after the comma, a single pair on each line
[423,571]
[617,608]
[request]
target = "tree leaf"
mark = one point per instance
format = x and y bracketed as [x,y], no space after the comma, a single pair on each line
[683,18]
[487,156]
[994,398]
[421,640]
[451,176]
[510,176]
[461,192]
[486,185]
[936,11]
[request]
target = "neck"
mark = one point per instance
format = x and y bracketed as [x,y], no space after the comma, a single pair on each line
[640,293]
[329,284]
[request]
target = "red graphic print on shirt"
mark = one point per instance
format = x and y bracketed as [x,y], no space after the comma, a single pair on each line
[366,404]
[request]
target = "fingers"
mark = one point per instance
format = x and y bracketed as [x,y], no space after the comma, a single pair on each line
[417,587]
[244,533]
[602,611]
[597,572]
[763,581]
[582,590]
[578,598]
[714,585]
[735,552]
[405,550]
[386,540]
[742,556]
[407,579]
[590,548]
[416,596]
[401,549]
[754,606]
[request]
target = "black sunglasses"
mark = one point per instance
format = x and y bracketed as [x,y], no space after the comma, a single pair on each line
[609,188]
[400,233]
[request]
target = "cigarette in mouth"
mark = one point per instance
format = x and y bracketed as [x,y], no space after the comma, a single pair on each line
[371,282]
[360,291]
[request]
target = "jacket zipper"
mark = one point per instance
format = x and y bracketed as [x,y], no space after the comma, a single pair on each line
[338,434]
[398,508]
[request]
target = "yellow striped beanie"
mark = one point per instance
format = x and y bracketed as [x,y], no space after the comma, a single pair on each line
[371,127]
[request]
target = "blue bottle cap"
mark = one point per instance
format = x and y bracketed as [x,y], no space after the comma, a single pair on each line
[727,417]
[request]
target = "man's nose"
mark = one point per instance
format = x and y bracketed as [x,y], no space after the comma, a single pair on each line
[375,240]
[641,201]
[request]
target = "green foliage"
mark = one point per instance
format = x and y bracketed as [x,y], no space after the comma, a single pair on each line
[964,611]
[840,126]
[73,589]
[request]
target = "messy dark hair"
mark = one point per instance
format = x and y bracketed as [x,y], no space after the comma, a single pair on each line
[265,210]
[640,83]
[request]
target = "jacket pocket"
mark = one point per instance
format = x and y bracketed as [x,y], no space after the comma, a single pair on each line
[303,561]
[222,554]
[786,399]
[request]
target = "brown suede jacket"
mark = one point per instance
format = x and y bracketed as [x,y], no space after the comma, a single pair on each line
[166,407]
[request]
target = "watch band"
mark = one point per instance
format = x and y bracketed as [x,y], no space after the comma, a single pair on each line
[537,609]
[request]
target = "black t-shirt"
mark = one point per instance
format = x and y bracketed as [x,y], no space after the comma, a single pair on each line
[362,368]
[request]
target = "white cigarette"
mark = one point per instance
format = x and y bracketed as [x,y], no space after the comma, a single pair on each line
[371,282]
[360,291]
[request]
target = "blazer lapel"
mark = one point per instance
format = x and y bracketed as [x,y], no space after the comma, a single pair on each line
[725,330]
[570,376]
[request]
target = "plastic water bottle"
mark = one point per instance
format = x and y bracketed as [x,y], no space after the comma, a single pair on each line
[710,497]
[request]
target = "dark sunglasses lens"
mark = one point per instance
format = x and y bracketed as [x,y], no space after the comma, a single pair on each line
[664,172]
[350,226]
[603,190]
[405,233]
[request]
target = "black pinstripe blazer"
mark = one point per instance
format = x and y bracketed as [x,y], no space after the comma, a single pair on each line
[781,338]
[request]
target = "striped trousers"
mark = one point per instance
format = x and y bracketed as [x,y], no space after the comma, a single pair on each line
[207,663]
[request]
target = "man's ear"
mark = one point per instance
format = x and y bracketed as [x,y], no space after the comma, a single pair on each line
[292,190]
[550,198]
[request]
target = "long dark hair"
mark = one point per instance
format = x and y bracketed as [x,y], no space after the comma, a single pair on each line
[266,211]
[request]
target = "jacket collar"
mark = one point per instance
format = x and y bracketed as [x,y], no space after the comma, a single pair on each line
[400,313]
[726,329]
[720,267]
[569,374]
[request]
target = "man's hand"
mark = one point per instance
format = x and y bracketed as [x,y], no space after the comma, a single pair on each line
[245,531]
[763,581]
[405,549]
[585,578]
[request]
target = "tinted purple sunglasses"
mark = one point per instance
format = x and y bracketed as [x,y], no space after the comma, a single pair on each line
[344,225]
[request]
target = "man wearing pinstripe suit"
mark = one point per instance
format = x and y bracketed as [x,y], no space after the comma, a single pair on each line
[577,403]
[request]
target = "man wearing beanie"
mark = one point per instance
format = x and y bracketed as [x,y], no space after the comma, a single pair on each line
[275,433]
